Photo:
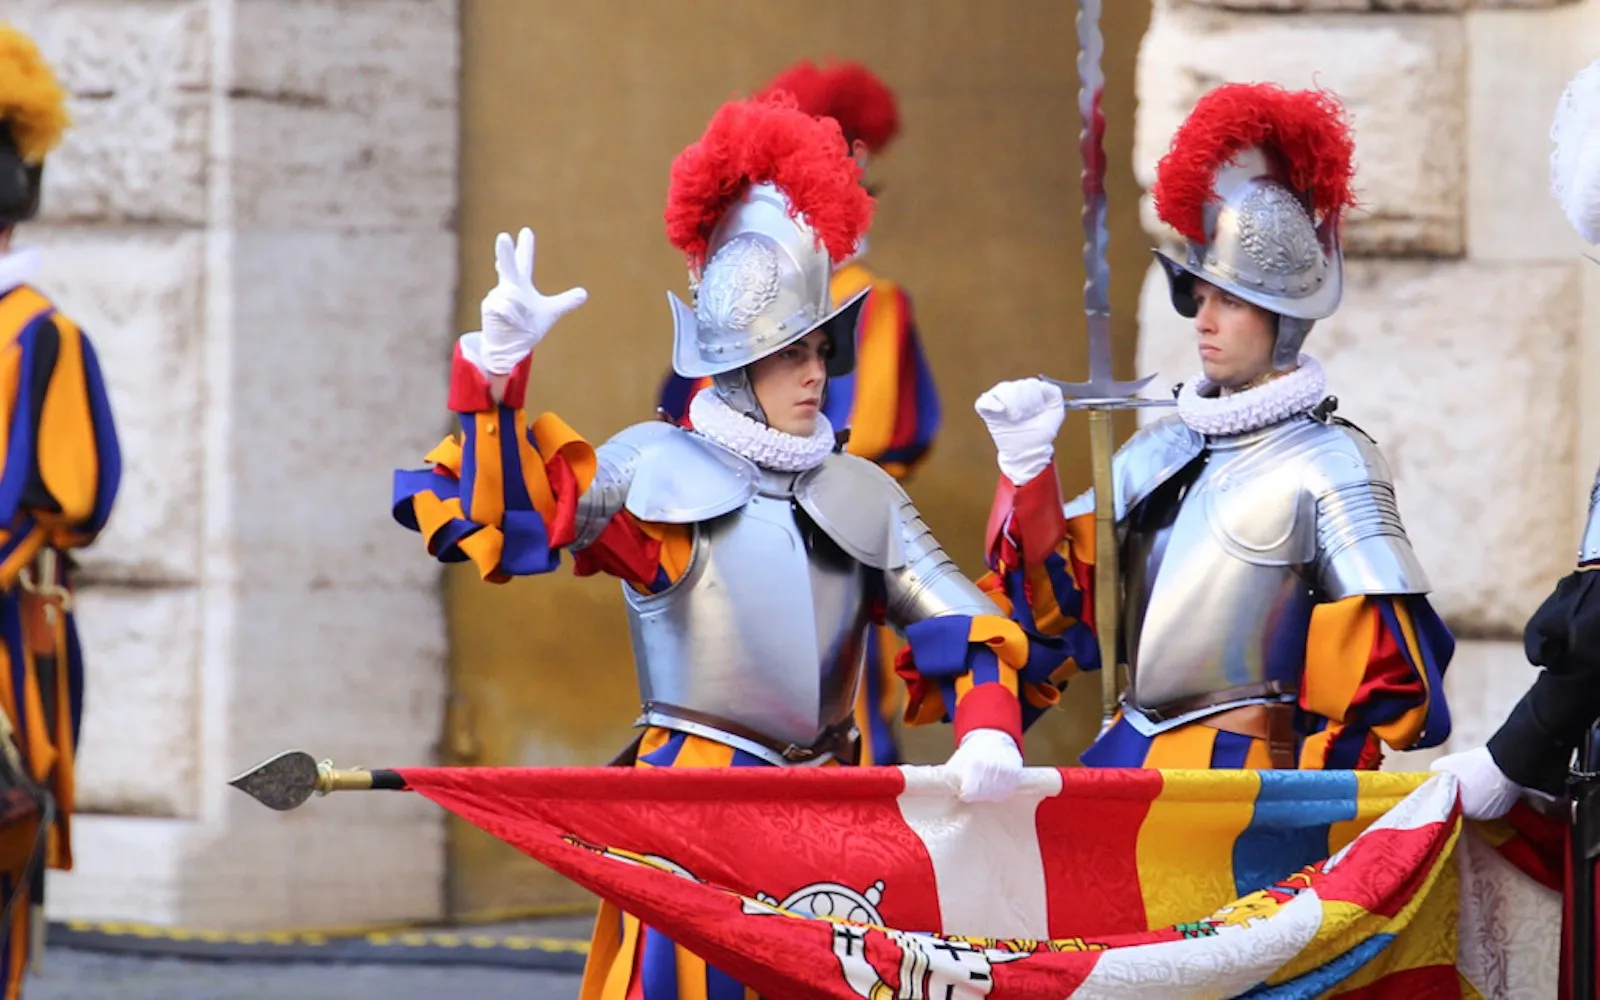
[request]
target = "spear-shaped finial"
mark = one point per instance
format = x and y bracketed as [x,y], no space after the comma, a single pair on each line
[287,780]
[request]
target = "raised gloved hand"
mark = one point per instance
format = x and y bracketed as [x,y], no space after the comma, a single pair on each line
[515,315]
[987,766]
[1023,418]
[1486,793]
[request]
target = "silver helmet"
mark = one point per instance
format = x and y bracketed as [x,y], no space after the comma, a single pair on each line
[763,287]
[1261,241]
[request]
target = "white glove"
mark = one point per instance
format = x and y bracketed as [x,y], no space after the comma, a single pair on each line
[1486,792]
[1023,418]
[515,316]
[987,766]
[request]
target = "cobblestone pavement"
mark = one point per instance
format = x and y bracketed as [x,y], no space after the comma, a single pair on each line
[82,975]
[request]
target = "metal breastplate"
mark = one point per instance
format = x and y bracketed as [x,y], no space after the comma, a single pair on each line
[1217,591]
[766,627]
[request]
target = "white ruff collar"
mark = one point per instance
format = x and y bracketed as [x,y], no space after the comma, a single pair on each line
[18,268]
[1278,400]
[766,446]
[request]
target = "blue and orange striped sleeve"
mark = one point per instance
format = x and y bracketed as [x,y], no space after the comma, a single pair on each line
[503,494]
[1041,570]
[1374,670]
[60,460]
[676,392]
[994,672]
[890,402]
[979,672]
[60,470]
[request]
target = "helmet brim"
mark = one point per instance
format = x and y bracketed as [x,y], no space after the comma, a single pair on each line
[840,325]
[1181,276]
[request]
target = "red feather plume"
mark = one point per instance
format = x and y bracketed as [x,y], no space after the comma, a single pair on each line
[767,140]
[1304,133]
[847,92]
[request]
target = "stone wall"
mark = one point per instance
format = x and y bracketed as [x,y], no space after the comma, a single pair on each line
[253,218]
[1468,342]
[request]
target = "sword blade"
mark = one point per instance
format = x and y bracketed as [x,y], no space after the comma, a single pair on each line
[1101,386]
[1092,152]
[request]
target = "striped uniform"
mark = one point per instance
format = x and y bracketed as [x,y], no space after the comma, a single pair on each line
[1372,670]
[503,496]
[891,406]
[59,471]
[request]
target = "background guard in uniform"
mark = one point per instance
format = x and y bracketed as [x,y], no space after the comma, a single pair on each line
[1273,611]
[753,554]
[58,478]
[1532,750]
[889,405]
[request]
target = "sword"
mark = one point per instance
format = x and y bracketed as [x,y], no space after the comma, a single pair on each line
[1102,393]
[285,781]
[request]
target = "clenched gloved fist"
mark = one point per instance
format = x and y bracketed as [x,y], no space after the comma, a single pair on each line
[1023,418]
[987,766]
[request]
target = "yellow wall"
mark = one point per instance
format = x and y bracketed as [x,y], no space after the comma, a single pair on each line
[572,113]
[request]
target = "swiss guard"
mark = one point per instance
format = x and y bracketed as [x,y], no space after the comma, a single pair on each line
[889,405]
[1272,612]
[1533,750]
[754,555]
[58,478]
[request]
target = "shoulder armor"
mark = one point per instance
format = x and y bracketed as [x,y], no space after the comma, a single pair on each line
[1317,495]
[680,477]
[1150,458]
[1143,463]
[857,505]
[1362,546]
[1256,502]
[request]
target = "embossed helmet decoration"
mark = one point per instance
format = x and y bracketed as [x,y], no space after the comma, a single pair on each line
[1575,161]
[33,118]
[763,205]
[1257,181]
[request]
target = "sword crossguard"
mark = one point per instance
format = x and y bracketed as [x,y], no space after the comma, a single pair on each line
[1106,395]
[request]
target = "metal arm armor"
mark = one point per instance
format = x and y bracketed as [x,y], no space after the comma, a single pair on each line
[1362,546]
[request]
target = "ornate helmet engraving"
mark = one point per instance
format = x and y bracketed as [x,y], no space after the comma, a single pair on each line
[762,205]
[1257,180]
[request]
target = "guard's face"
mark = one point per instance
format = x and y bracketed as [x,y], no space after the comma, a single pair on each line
[789,384]
[1236,337]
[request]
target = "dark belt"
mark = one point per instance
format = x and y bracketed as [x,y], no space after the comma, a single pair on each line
[1272,722]
[1183,706]
[841,739]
